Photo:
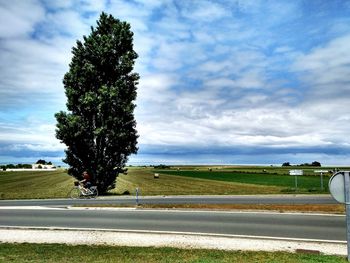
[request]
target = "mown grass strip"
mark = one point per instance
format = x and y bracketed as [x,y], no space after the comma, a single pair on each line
[167,184]
[35,184]
[66,253]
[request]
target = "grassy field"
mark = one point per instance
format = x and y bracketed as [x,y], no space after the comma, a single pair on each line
[182,180]
[63,253]
[220,180]
[28,184]
[305,183]
[169,184]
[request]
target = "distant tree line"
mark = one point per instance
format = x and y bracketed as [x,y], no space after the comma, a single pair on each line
[24,165]
[313,164]
[161,166]
[16,166]
[43,162]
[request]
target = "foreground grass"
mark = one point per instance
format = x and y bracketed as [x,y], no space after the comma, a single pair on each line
[34,184]
[65,253]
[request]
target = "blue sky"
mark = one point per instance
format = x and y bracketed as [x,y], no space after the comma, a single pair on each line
[231,82]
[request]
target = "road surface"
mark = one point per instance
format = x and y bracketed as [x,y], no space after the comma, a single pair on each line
[131,200]
[281,225]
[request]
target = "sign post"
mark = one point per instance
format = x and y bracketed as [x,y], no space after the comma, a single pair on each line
[339,186]
[321,172]
[347,206]
[137,196]
[296,173]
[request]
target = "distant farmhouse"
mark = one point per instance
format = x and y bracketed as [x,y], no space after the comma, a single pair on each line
[40,165]
[43,166]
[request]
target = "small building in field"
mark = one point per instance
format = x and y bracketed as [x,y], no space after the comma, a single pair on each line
[43,166]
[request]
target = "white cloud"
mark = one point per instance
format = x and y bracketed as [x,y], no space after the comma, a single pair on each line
[36,136]
[156,88]
[92,6]
[16,19]
[211,74]
[251,79]
[214,66]
[326,69]
[131,10]
[59,4]
[31,70]
[170,55]
[276,126]
[220,83]
[334,54]
[283,49]
[35,147]
[204,11]
[66,22]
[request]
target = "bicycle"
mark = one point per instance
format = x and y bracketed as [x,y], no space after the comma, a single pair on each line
[78,191]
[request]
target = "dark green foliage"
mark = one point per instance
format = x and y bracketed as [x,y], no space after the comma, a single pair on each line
[24,165]
[314,164]
[162,166]
[99,128]
[16,166]
[40,161]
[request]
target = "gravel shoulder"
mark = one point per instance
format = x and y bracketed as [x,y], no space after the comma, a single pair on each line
[154,239]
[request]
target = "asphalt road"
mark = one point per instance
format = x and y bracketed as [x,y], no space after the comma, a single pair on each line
[300,226]
[129,200]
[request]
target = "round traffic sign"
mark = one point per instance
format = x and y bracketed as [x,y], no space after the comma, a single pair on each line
[337,187]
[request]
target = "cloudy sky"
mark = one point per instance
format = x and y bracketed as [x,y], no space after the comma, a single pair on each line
[235,82]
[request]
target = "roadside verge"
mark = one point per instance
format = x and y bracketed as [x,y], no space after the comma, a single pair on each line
[167,239]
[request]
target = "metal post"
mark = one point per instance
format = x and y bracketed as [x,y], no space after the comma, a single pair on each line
[296,183]
[322,182]
[347,204]
[137,196]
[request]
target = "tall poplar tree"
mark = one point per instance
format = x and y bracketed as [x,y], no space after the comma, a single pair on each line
[99,127]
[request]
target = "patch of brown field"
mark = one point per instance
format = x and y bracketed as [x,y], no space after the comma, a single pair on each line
[319,208]
[324,208]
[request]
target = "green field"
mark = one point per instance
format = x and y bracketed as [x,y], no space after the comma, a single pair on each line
[305,183]
[181,180]
[64,253]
